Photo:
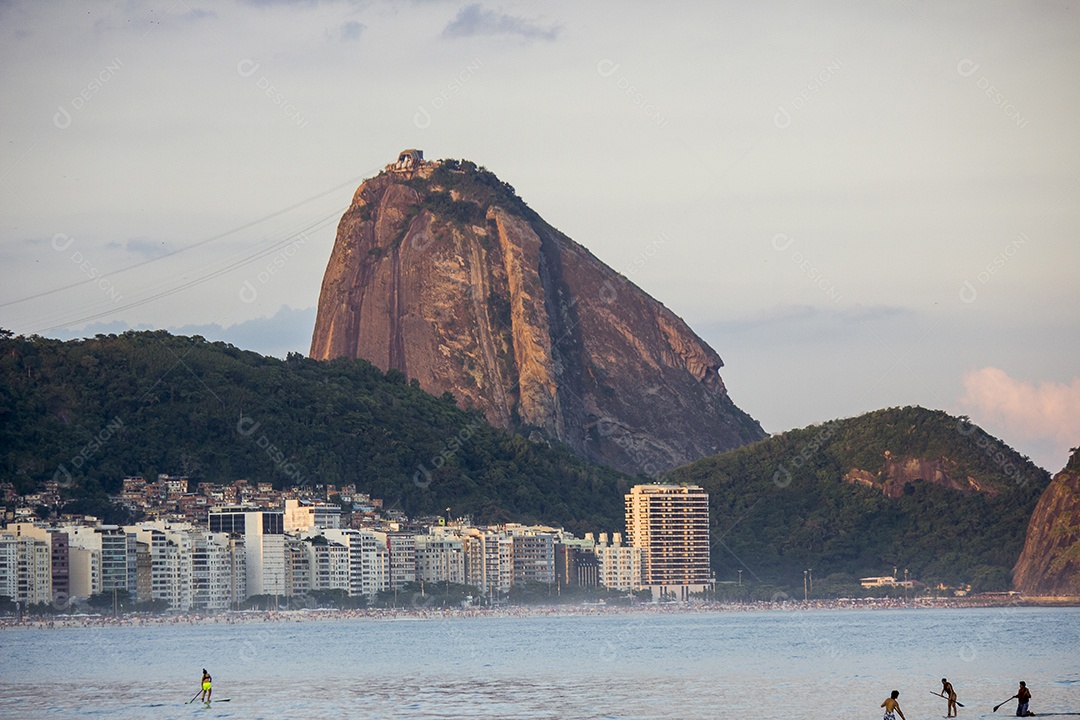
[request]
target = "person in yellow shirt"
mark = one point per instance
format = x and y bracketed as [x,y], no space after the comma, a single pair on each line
[207,690]
[892,707]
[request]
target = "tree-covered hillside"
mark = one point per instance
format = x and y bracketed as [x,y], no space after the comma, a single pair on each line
[144,403]
[781,506]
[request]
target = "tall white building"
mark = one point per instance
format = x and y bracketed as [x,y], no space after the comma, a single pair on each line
[164,565]
[671,524]
[211,571]
[9,567]
[440,557]
[402,549]
[489,561]
[58,542]
[25,568]
[263,532]
[369,560]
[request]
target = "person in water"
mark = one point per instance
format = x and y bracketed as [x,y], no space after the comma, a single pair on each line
[949,694]
[1023,697]
[207,690]
[892,707]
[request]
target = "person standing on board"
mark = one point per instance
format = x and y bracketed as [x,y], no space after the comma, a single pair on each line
[949,694]
[892,707]
[207,690]
[1023,697]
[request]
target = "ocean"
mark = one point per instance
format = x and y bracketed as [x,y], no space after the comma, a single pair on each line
[727,664]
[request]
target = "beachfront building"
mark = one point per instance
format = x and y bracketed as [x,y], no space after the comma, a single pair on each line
[85,571]
[9,566]
[489,560]
[619,566]
[576,564]
[112,558]
[670,524]
[164,570]
[534,557]
[263,533]
[401,547]
[297,566]
[369,561]
[144,569]
[325,563]
[57,541]
[25,568]
[440,556]
[211,571]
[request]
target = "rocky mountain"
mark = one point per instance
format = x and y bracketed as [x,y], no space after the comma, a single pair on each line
[905,488]
[1050,561]
[442,272]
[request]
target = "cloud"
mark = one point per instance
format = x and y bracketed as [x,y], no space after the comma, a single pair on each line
[144,246]
[351,30]
[476,20]
[1044,412]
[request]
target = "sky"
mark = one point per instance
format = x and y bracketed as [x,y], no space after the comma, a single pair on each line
[858,205]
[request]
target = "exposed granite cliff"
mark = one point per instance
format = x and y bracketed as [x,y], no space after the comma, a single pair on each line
[1050,561]
[440,271]
[895,473]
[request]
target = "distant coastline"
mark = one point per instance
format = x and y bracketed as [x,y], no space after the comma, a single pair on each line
[244,617]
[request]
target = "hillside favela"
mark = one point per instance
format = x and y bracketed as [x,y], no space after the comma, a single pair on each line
[298,422]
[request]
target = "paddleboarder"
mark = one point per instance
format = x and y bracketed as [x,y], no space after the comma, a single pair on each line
[949,694]
[892,707]
[1023,697]
[207,690]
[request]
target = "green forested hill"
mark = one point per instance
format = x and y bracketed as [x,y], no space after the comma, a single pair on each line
[781,506]
[144,403]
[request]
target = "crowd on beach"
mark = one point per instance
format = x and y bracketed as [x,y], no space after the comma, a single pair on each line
[422,612]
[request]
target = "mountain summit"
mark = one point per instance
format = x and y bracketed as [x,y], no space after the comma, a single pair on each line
[442,272]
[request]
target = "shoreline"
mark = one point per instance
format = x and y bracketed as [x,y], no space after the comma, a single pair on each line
[246,617]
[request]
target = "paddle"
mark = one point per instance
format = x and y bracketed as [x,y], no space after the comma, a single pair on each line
[958,703]
[193,699]
[1001,703]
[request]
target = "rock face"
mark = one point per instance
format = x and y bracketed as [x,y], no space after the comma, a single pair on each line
[440,271]
[1050,561]
[896,473]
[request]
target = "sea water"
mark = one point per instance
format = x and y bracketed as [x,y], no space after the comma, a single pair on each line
[735,664]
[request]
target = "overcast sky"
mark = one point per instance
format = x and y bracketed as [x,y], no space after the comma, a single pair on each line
[859,206]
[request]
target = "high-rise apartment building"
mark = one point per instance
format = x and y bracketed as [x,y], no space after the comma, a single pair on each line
[263,532]
[670,523]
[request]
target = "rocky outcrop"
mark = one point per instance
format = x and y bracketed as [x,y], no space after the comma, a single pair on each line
[443,273]
[895,473]
[1050,562]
